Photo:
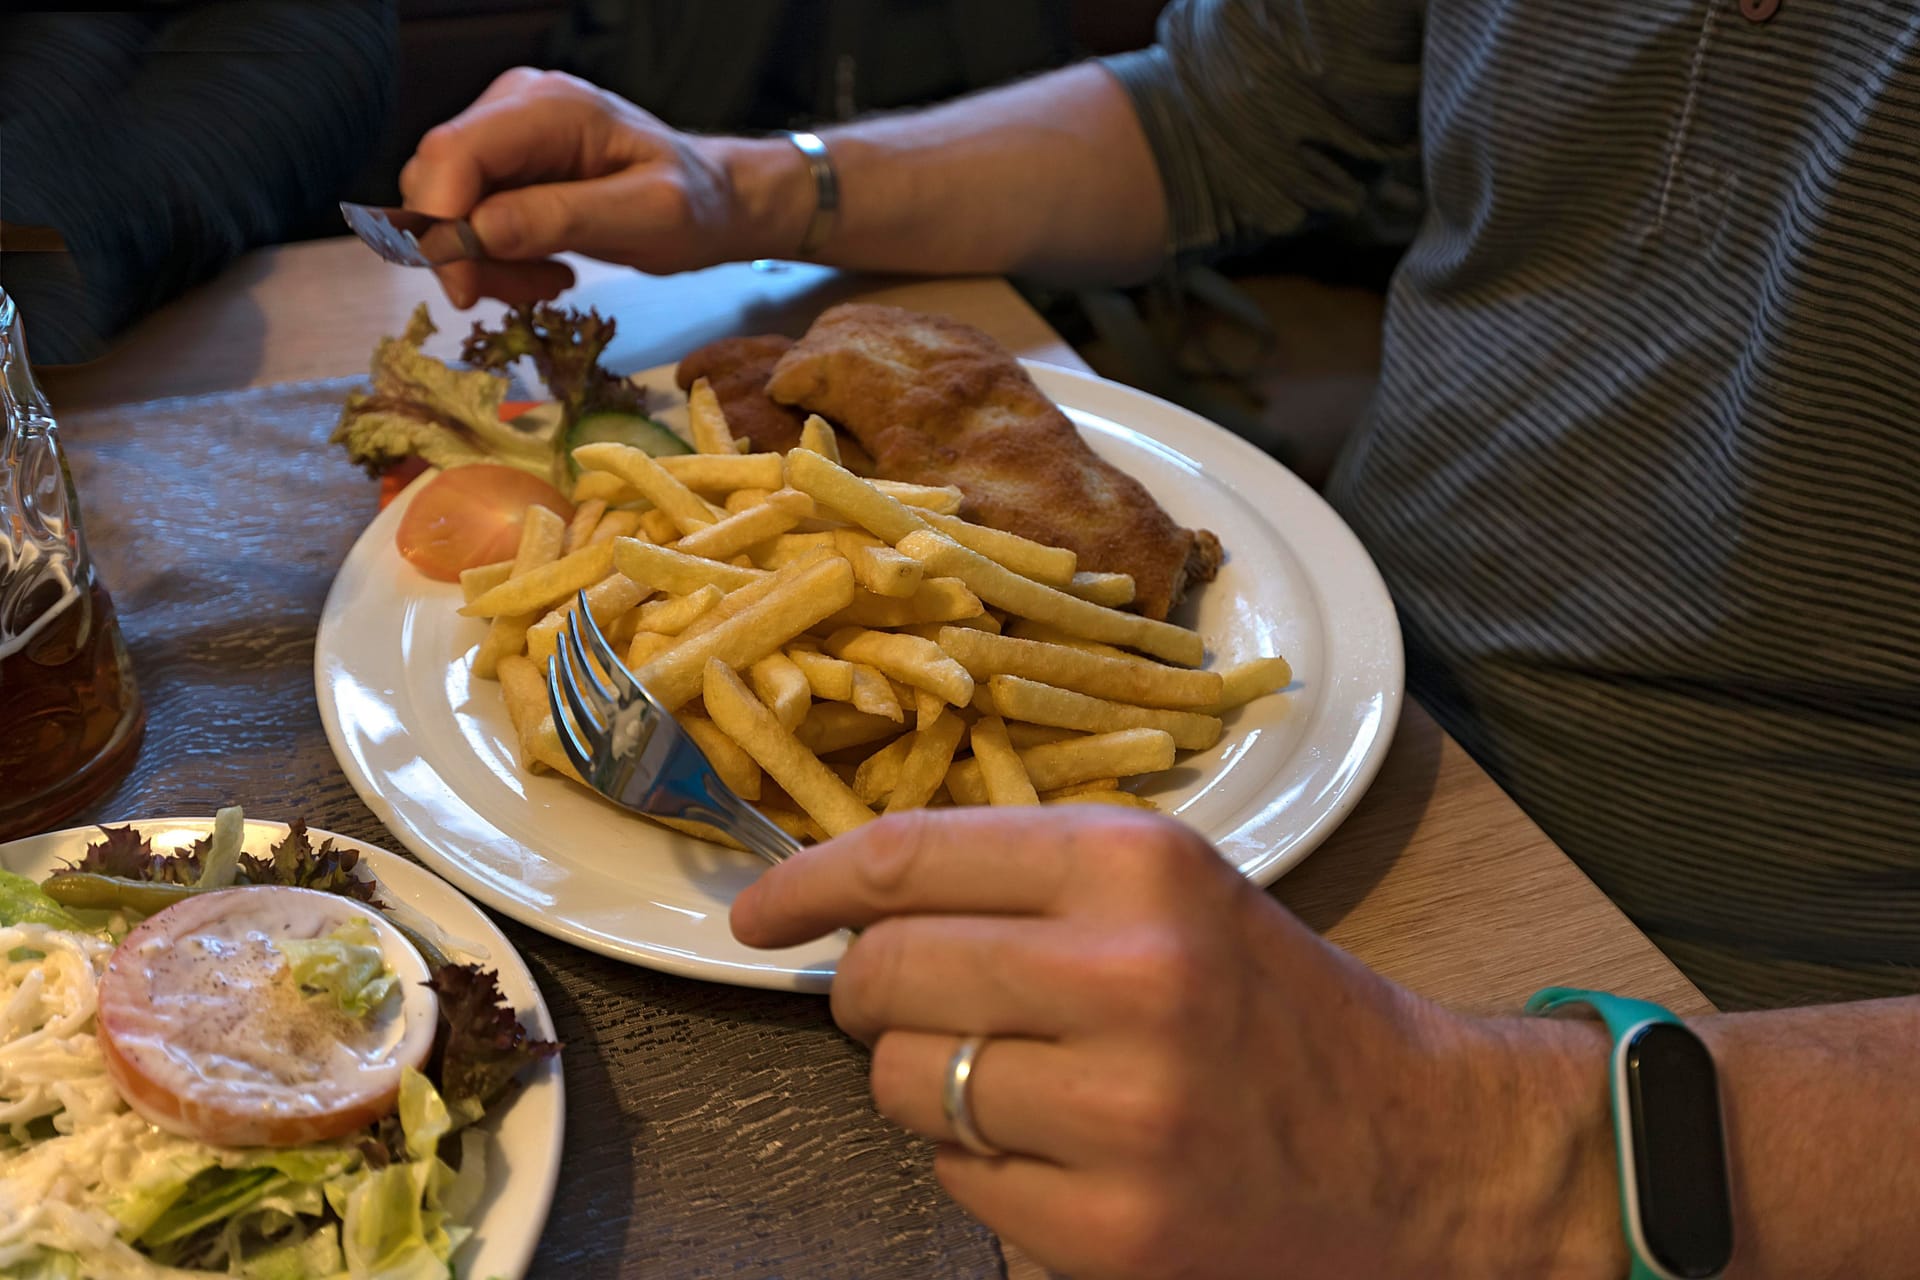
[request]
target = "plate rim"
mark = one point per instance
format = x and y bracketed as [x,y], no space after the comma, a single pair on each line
[1262,871]
[380,859]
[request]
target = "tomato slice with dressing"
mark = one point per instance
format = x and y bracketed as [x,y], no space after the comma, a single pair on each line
[469,516]
[207,1034]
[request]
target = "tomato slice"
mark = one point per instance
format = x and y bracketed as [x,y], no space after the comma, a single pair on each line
[511,409]
[206,1034]
[470,516]
[395,479]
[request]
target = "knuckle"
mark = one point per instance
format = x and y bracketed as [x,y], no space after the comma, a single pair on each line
[868,974]
[1153,1114]
[885,867]
[437,144]
[1138,1232]
[518,79]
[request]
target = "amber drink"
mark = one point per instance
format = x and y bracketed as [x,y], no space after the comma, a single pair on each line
[70,717]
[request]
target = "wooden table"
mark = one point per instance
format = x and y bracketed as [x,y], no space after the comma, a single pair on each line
[711,1130]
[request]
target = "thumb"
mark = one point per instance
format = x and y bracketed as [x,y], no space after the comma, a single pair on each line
[636,217]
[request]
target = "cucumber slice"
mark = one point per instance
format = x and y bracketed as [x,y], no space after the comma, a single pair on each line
[635,429]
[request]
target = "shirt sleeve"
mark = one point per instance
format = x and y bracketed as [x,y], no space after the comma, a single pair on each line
[1270,116]
[161,144]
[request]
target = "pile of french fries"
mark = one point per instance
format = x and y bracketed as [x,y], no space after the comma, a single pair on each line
[841,647]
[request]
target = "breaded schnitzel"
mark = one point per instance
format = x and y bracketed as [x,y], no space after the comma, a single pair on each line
[737,369]
[939,402]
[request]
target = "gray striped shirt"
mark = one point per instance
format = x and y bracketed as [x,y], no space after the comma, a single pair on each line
[1641,467]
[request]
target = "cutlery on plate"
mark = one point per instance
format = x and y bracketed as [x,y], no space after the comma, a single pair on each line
[633,752]
[410,239]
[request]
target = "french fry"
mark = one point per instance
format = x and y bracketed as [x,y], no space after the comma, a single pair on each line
[1001,773]
[1123,799]
[671,616]
[676,675]
[1019,699]
[816,434]
[1031,629]
[1032,735]
[646,646]
[982,621]
[728,758]
[927,707]
[920,663]
[546,586]
[1052,565]
[1110,589]
[700,830]
[1123,679]
[1003,588]
[884,571]
[657,527]
[676,572]
[927,762]
[600,486]
[873,781]
[1245,681]
[781,511]
[742,499]
[785,548]
[743,598]
[816,788]
[607,600]
[829,678]
[1082,788]
[480,579]
[945,499]
[860,501]
[618,524]
[835,726]
[706,421]
[655,483]
[780,684]
[1061,764]
[542,532]
[873,694]
[524,690]
[937,600]
[720,473]
[585,517]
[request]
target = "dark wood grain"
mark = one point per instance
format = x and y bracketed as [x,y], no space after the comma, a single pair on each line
[711,1131]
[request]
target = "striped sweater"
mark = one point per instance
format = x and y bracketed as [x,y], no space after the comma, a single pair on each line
[1641,467]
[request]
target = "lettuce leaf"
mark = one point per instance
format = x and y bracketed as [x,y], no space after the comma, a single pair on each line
[484,1046]
[384,1235]
[346,965]
[422,407]
[294,861]
[22,902]
[565,346]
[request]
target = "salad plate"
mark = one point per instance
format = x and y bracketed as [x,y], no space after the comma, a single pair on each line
[523,1162]
[431,750]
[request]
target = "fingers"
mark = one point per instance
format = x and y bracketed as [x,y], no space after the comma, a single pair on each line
[994,975]
[1020,1094]
[1065,1221]
[610,217]
[514,283]
[514,138]
[952,861]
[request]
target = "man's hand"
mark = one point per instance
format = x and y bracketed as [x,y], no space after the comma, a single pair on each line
[1185,1080]
[543,163]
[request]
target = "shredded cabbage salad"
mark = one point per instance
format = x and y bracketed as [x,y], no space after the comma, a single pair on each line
[90,1191]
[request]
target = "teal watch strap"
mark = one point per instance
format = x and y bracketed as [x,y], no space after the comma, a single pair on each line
[1624,1018]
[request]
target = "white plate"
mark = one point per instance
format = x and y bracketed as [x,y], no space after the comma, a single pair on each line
[431,750]
[524,1162]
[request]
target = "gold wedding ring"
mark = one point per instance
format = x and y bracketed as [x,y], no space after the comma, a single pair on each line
[956,1097]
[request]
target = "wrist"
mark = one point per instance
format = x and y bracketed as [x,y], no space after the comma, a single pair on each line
[1539,1195]
[773,195]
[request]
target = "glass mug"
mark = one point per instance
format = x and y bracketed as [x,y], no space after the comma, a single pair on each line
[70,717]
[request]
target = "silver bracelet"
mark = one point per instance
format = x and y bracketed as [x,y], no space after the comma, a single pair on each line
[826,192]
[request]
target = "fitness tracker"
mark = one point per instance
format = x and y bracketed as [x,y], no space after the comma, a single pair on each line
[1676,1200]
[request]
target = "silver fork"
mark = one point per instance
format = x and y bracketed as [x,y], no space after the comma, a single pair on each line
[409,239]
[636,754]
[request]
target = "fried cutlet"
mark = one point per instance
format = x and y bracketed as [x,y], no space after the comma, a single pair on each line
[737,369]
[939,402]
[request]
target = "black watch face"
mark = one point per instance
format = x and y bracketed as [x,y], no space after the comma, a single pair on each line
[1686,1209]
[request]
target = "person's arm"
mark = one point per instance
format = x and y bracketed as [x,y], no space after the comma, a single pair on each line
[1251,117]
[1187,1080]
[1052,175]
